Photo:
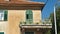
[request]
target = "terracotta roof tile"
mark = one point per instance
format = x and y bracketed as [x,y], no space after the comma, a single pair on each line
[21,4]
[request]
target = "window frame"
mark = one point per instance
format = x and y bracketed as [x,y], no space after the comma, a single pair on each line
[29,13]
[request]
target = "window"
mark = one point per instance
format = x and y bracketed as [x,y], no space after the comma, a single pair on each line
[29,32]
[3,15]
[29,16]
[1,32]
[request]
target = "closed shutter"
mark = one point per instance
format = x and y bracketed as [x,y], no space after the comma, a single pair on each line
[5,15]
[1,32]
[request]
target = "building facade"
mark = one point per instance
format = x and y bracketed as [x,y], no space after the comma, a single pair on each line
[21,17]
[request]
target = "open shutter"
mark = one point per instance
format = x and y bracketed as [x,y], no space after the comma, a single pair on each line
[5,15]
[29,16]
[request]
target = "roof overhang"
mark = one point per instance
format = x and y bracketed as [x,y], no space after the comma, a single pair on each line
[21,5]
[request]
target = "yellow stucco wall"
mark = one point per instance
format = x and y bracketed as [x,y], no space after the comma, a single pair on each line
[4,26]
[36,16]
[14,18]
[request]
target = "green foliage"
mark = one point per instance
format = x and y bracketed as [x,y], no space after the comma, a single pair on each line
[59,32]
[57,19]
[48,32]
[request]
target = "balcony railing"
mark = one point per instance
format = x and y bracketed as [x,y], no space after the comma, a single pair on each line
[38,23]
[46,21]
[35,25]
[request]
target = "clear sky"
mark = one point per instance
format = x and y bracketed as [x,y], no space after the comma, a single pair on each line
[48,7]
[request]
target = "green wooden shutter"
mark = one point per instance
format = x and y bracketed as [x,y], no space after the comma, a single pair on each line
[1,32]
[30,16]
[5,15]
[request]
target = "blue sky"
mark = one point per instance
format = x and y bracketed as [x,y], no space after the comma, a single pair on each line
[48,9]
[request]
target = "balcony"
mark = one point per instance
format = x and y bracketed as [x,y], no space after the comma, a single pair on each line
[35,25]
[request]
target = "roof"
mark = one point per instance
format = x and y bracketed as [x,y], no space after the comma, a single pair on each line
[22,4]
